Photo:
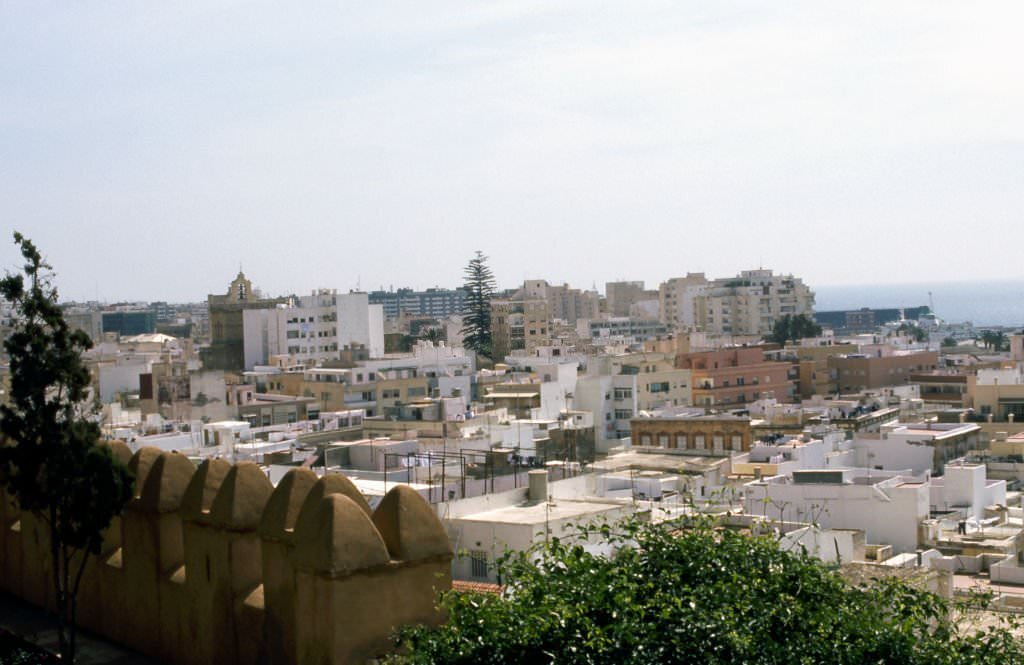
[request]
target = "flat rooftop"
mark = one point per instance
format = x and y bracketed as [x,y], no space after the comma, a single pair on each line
[665,462]
[541,512]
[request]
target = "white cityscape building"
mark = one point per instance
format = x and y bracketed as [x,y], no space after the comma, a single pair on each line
[315,328]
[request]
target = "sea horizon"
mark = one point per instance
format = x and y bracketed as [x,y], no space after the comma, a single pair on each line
[982,302]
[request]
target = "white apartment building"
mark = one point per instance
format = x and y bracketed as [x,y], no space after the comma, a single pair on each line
[747,304]
[448,369]
[314,328]
[888,507]
[750,303]
[613,399]
[677,299]
[965,488]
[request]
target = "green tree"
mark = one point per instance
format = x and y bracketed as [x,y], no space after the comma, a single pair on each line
[949,341]
[913,331]
[476,314]
[696,595]
[433,334]
[997,341]
[792,328]
[51,461]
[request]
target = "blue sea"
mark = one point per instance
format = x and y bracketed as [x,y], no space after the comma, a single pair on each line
[981,303]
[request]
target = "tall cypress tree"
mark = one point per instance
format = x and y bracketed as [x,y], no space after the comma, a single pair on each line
[476,313]
[50,458]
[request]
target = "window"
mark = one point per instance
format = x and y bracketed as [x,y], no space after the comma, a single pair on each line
[658,387]
[737,442]
[478,564]
[698,442]
[719,443]
[623,393]
[645,439]
[680,441]
[623,414]
[663,440]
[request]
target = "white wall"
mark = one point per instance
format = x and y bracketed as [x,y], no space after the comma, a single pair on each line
[887,514]
[966,487]
[375,330]
[263,332]
[822,544]
[354,322]
[893,454]
[123,376]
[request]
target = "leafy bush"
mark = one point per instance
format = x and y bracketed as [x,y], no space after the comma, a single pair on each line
[696,595]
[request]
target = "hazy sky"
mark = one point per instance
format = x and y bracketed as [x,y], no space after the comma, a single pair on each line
[149,148]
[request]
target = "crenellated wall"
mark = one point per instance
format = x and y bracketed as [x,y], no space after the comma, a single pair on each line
[214,565]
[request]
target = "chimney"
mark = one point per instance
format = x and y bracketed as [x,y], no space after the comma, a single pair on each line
[538,485]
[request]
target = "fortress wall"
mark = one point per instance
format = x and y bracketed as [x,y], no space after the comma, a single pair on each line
[213,564]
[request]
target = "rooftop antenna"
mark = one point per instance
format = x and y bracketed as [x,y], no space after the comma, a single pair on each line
[931,302]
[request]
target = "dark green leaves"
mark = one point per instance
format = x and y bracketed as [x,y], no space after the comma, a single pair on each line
[476,315]
[790,328]
[694,595]
[50,460]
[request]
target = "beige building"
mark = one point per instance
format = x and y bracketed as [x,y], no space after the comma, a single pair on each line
[677,300]
[948,387]
[332,389]
[621,296]
[705,435]
[814,378]
[749,303]
[570,305]
[737,375]
[527,319]
[659,383]
[519,325]
[227,331]
[998,393]
[855,372]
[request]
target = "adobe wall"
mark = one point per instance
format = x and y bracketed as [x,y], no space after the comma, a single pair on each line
[213,564]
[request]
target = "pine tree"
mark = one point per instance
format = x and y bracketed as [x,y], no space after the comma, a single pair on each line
[476,313]
[51,462]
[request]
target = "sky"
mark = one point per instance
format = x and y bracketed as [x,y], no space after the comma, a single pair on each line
[150,149]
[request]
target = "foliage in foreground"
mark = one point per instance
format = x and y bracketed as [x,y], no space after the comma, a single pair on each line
[50,460]
[697,596]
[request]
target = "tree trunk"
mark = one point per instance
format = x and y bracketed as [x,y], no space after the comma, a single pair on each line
[59,588]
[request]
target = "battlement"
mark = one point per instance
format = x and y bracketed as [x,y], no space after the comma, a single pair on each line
[212,564]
